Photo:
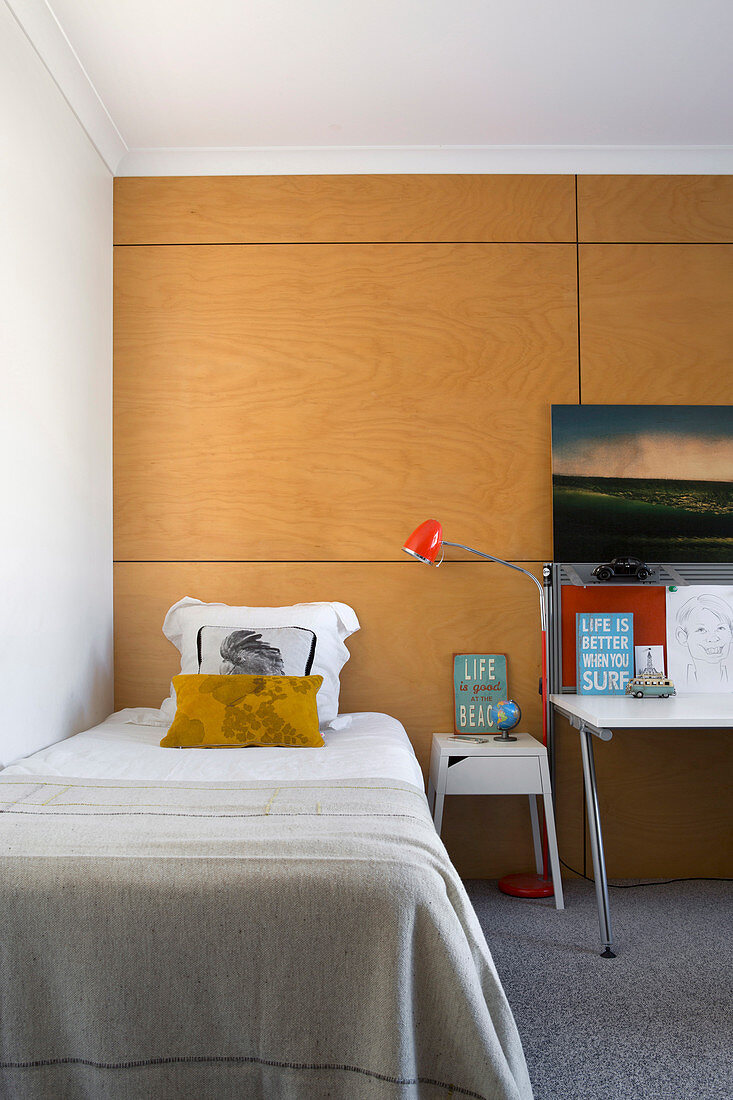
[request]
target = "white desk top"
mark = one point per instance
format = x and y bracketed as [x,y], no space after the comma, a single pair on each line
[625,712]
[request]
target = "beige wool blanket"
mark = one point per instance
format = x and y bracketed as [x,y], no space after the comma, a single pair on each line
[185,941]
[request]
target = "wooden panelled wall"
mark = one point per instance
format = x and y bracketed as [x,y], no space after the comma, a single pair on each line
[307,367]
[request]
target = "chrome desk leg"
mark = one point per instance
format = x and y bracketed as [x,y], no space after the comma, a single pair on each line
[596,843]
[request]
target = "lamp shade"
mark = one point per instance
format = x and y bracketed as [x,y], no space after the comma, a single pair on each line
[425,541]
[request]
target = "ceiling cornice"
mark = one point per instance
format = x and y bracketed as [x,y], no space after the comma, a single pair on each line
[437,159]
[47,38]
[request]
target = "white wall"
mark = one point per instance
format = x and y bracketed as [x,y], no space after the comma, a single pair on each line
[55,411]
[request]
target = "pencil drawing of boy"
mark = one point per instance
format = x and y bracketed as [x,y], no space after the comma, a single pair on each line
[704,628]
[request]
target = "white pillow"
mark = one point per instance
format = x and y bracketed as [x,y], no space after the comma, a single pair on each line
[331,623]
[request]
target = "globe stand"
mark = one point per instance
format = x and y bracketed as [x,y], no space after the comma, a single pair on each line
[505,737]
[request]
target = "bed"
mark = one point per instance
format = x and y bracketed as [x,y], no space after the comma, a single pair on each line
[257,922]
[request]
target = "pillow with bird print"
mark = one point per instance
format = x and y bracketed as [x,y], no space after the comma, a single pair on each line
[256,650]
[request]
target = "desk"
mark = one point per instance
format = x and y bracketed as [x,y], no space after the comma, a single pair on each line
[599,715]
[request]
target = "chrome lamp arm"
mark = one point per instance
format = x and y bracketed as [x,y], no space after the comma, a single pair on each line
[501,561]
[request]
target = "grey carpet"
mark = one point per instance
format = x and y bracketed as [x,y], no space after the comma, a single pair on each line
[655,1023]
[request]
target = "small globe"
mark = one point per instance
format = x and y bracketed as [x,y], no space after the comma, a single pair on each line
[505,715]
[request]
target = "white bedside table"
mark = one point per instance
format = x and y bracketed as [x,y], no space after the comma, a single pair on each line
[497,767]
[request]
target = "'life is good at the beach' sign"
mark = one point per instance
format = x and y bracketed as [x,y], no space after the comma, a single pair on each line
[479,679]
[604,651]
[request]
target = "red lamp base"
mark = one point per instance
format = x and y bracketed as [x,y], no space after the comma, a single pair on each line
[526,886]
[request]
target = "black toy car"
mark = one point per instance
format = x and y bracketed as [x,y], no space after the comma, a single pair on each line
[623,567]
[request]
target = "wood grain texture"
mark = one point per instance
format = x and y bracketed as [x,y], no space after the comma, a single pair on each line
[412,621]
[315,401]
[307,209]
[657,209]
[664,798]
[656,324]
[291,403]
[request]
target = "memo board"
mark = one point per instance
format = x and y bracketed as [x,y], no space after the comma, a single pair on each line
[646,600]
[646,604]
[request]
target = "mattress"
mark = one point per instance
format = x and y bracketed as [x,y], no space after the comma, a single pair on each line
[127,746]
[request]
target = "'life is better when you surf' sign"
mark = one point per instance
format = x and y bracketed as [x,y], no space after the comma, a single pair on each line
[604,650]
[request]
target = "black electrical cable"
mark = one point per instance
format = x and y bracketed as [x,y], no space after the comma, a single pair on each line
[656,882]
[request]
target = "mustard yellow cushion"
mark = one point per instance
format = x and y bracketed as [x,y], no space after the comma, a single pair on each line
[214,711]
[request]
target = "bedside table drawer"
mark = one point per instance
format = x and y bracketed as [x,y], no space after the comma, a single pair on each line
[494,775]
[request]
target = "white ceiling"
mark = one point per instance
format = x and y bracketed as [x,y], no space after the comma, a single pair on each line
[391,78]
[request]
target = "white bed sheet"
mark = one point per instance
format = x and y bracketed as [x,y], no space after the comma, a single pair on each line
[127,746]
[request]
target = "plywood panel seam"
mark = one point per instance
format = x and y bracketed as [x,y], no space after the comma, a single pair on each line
[329,243]
[655,244]
[577,296]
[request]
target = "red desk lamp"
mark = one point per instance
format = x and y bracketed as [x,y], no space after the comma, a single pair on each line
[425,543]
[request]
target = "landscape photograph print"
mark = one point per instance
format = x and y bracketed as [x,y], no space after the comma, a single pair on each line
[649,481]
